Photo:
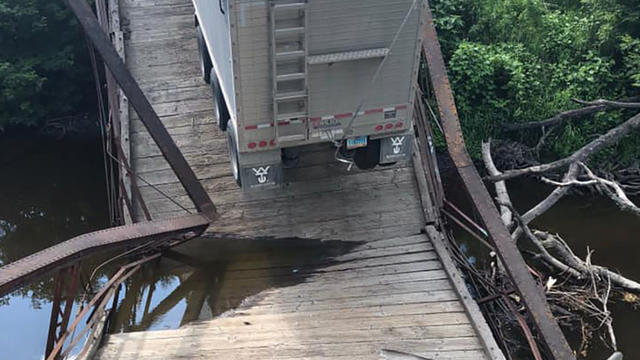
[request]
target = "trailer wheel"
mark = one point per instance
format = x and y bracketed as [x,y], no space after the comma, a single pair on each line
[222,112]
[368,157]
[205,60]
[233,156]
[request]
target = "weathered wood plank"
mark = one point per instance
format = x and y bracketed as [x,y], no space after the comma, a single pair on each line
[433,348]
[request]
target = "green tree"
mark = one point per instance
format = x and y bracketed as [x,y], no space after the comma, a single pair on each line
[525,60]
[44,68]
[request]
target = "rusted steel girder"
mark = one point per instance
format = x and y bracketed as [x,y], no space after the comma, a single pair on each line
[515,265]
[66,284]
[27,269]
[21,272]
[145,111]
[111,288]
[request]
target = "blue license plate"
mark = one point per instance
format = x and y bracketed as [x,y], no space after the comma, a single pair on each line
[358,142]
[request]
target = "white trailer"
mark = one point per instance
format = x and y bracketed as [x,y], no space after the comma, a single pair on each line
[289,73]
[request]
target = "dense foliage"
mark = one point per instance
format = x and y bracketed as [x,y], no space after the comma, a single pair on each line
[524,60]
[44,68]
[509,61]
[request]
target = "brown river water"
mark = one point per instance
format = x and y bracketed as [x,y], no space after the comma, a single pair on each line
[53,190]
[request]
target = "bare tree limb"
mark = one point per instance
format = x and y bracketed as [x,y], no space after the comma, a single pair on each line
[553,198]
[569,183]
[585,268]
[609,103]
[611,188]
[546,204]
[501,187]
[543,140]
[608,320]
[592,108]
[557,119]
[543,252]
[557,244]
[611,137]
[614,191]
[579,269]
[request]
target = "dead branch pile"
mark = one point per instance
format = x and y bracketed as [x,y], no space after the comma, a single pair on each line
[579,292]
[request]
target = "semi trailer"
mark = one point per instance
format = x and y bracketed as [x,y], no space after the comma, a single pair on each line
[291,73]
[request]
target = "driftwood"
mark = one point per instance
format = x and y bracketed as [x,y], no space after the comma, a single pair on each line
[543,252]
[503,194]
[611,137]
[566,261]
[578,290]
[553,198]
[611,188]
[592,108]
[501,187]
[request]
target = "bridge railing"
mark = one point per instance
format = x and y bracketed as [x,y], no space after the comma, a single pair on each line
[149,237]
[500,238]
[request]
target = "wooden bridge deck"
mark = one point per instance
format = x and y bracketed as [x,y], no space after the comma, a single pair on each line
[390,294]
[398,290]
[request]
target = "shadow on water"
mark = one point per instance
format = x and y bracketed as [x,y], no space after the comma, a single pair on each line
[206,277]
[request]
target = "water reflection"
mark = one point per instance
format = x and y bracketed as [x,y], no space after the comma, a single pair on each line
[50,191]
[207,277]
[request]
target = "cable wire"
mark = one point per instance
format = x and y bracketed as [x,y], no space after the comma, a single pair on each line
[103,132]
[368,90]
[150,185]
[380,67]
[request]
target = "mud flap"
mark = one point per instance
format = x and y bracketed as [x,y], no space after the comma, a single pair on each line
[396,148]
[261,177]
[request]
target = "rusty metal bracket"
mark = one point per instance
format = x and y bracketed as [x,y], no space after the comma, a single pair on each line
[66,284]
[509,254]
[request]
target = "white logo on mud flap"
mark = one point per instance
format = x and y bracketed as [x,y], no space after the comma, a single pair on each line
[397,143]
[261,173]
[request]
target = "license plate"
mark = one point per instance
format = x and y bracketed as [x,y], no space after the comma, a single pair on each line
[358,142]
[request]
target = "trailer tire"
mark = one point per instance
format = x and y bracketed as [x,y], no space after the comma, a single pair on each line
[368,157]
[233,157]
[222,111]
[206,65]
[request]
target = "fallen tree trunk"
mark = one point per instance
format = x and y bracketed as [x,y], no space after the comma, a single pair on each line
[611,137]
[501,187]
[592,108]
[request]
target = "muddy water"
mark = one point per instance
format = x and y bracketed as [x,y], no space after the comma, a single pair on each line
[585,222]
[49,191]
[207,277]
[595,223]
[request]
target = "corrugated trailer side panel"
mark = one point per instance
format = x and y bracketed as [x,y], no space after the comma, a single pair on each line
[334,26]
[337,26]
[253,65]
[217,32]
